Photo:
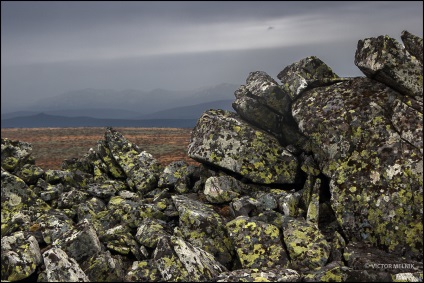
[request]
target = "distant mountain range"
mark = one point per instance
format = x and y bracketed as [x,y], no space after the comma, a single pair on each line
[43,120]
[132,108]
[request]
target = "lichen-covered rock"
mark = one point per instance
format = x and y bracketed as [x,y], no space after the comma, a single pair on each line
[312,215]
[376,175]
[176,175]
[306,246]
[179,261]
[141,169]
[72,199]
[119,240]
[221,138]
[15,154]
[413,44]
[51,192]
[201,226]
[17,198]
[79,243]
[104,267]
[408,277]
[20,256]
[257,243]
[264,104]
[89,209]
[245,206]
[132,212]
[150,231]
[106,189]
[143,271]
[289,203]
[361,256]
[222,189]
[30,173]
[333,272]
[52,225]
[62,268]
[307,73]
[276,274]
[63,177]
[385,60]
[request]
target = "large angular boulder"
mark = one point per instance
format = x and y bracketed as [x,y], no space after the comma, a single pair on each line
[178,260]
[201,226]
[306,245]
[257,243]
[62,268]
[385,60]
[413,44]
[140,167]
[80,242]
[369,143]
[264,104]
[223,139]
[20,255]
[307,73]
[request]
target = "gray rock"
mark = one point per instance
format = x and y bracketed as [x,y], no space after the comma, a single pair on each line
[375,174]
[143,271]
[222,189]
[179,261]
[140,168]
[277,274]
[264,104]
[150,231]
[385,60]
[306,246]
[62,268]
[106,189]
[245,206]
[104,267]
[72,199]
[176,175]
[17,199]
[307,73]
[119,240]
[333,272]
[30,173]
[52,225]
[79,243]
[20,256]
[15,154]
[221,138]
[201,226]
[257,243]
[413,44]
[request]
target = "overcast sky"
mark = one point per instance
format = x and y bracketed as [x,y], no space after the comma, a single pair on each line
[48,48]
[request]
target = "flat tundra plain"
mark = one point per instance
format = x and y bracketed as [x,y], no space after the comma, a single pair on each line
[50,146]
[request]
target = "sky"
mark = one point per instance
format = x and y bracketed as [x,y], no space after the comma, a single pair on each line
[52,47]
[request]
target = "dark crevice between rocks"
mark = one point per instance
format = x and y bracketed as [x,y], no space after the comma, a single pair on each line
[324,190]
[327,221]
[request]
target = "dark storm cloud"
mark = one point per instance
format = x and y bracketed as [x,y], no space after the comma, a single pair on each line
[52,47]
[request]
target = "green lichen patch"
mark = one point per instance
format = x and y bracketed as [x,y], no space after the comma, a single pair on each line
[257,243]
[305,244]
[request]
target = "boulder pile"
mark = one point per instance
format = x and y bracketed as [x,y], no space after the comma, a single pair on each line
[316,178]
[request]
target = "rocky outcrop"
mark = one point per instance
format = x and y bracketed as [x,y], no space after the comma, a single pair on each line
[223,139]
[318,178]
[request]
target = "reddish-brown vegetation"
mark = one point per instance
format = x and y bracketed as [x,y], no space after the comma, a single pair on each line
[52,145]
